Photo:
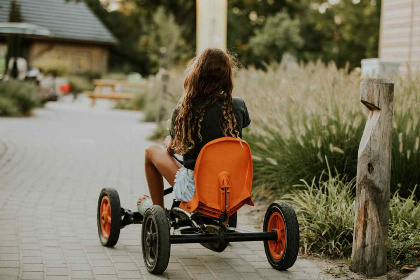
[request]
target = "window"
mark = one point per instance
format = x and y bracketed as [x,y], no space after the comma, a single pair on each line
[82,62]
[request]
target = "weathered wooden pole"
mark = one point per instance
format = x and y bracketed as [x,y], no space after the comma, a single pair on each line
[160,112]
[373,180]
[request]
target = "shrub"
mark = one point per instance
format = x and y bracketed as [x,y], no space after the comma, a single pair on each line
[404,233]
[8,107]
[325,209]
[137,103]
[165,104]
[279,34]
[79,83]
[302,113]
[25,96]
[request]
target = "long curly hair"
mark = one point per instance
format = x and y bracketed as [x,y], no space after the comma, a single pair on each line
[210,79]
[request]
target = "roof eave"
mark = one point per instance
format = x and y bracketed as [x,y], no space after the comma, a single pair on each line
[69,40]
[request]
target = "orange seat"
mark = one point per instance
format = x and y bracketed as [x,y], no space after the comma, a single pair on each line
[223,178]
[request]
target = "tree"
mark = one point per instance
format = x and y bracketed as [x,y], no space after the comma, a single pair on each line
[163,41]
[280,34]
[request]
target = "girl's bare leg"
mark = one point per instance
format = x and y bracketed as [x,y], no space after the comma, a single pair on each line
[159,164]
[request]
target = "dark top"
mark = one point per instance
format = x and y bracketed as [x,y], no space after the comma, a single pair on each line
[210,127]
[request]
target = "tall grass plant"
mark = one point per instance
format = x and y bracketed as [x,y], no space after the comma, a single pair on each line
[325,209]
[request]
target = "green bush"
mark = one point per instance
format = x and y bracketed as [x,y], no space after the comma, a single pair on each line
[161,131]
[404,233]
[137,103]
[325,209]
[302,113]
[79,83]
[165,104]
[25,96]
[8,107]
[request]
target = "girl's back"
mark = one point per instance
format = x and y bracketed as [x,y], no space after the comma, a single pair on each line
[211,125]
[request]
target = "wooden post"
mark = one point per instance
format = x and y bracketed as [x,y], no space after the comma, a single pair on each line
[373,180]
[164,75]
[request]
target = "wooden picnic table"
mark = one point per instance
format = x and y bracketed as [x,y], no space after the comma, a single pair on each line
[109,89]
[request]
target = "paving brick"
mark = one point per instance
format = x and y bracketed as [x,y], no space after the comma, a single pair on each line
[104,270]
[56,277]
[32,260]
[57,271]
[129,274]
[227,274]
[80,266]
[81,274]
[55,264]
[125,266]
[8,277]
[9,257]
[9,271]
[9,250]
[33,267]
[194,269]
[9,264]
[192,261]
[251,276]
[75,260]
[32,275]
[101,262]
[121,259]
[243,268]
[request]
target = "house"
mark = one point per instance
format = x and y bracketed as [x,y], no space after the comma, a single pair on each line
[400,33]
[78,43]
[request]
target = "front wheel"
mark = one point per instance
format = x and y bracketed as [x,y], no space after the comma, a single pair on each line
[109,217]
[155,240]
[281,218]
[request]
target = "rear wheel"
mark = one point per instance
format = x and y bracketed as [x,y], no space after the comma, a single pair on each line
[109,217]
[155,240]
[281,218]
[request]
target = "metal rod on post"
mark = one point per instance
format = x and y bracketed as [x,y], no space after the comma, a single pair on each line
[373,180]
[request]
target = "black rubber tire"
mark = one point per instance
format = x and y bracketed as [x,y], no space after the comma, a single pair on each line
[114,201]
[233,220]
[157,250]
[292,235]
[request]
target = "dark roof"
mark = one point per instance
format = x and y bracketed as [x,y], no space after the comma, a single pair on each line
[68,20]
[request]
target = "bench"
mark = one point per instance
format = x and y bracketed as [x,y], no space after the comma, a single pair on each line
[107,89]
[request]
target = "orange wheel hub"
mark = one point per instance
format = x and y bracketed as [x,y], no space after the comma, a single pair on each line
[105,213]
[277,247]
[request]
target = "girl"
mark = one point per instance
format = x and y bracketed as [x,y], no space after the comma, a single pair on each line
[206,112]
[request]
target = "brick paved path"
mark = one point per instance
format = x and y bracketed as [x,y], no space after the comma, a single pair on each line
[52,168]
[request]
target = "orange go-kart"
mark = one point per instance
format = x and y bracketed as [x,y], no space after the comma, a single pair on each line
[223,179]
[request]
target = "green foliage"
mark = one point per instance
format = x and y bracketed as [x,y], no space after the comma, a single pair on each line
[297,124]
[163,42]
[280,34]
[8,107]
[79,83]
[23,97]
[325,209]
[137,103]
[165,104]
[133,25]
[341,31]
[404,235]
[161,131]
